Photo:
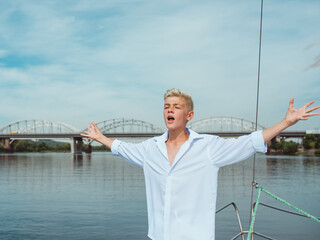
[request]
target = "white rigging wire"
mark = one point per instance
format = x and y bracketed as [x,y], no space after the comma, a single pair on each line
[257,109]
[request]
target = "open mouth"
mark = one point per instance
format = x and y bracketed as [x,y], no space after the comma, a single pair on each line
[170,119]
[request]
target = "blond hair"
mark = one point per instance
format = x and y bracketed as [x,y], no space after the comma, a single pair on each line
[173,92]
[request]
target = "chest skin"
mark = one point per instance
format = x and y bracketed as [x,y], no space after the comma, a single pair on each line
[172,150]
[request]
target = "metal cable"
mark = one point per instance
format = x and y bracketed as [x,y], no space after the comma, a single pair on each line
[288,204]
[285,211]
[308,215]
[257,109]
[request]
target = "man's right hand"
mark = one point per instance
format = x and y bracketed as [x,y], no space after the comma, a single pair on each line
[95,134]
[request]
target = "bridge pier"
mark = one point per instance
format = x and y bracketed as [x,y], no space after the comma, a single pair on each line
[88,148]
[7,144]
[76,145]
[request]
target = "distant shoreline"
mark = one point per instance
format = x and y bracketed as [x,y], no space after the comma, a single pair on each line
[310,152]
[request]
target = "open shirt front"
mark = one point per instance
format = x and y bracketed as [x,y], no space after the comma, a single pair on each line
[181,199]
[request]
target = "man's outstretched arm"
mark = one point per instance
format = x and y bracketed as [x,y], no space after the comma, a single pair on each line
[95,133]
[291,118]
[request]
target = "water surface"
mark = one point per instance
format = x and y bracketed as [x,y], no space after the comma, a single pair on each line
[99,196]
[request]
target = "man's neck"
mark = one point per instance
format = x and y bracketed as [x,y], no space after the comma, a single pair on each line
[177,136]
[175,140]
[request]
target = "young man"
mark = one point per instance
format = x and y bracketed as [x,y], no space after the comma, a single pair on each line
[181,167]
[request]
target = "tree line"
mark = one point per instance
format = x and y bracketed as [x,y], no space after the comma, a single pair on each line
[310,141]
[46,146]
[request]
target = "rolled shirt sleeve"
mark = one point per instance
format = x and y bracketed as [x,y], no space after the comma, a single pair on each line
[131,152]
[258,142]
[114,147]
[228,151]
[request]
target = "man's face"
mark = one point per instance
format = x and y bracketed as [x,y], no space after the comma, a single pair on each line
[175,113]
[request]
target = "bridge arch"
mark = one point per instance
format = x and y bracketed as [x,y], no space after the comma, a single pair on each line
[125,125]
[37,126]
[224,124]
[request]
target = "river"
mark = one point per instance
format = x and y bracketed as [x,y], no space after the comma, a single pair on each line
[99,196]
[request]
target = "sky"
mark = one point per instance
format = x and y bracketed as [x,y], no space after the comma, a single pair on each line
[78,61]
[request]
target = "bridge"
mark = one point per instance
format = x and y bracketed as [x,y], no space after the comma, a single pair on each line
[122,128]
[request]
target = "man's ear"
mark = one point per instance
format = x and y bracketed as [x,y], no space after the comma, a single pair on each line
[190,115]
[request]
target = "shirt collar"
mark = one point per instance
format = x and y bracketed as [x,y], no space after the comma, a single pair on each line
[192,135]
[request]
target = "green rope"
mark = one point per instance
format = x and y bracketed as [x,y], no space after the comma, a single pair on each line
[254,215]
[289,204]
[277,198]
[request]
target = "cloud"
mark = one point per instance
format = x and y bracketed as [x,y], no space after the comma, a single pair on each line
[93,60]
[316,62]
[3,53]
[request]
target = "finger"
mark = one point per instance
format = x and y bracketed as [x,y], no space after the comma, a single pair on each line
[95,126]
[308,104]
[312,109]
[291,103]
[92,125]
[311,114]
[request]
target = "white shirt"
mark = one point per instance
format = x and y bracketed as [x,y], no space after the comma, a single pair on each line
[181,199]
